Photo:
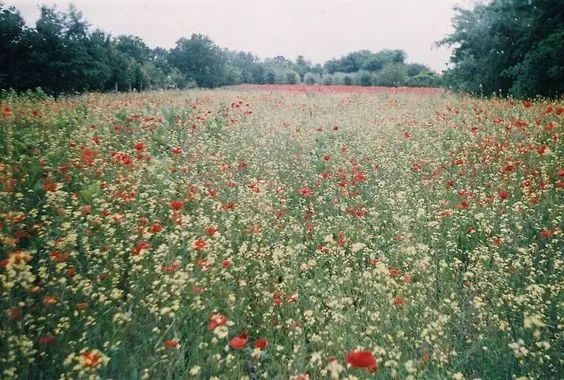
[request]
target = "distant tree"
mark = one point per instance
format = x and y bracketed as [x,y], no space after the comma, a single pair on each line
[414,69]
[392,75]
[302,66]
[62,55]
[364,78]
[199,58]
[348,80]
[424,79]
[311,78]
[292,77]
[327,80]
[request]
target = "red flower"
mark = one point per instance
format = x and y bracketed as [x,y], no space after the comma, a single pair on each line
[81,306]
[199,244]
[217,320]
[141,245]
[239,342]
[503,195]
[210,231]
[91,359]
[261,344]
[546,234]
[171,344]
[171,268]
[176,205]
[46,339]
[49,300]
[59,257]
[156,228]
[305,192]
[226,263]
[362,359]
[399,301]
[176,150]
[139,147]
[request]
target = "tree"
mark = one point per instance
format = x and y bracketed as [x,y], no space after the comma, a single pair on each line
[511,47]
[12,29]
[364,78]
[199,58]
[302,66]
[392,75]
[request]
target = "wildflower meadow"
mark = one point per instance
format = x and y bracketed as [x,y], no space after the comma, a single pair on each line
[279,232]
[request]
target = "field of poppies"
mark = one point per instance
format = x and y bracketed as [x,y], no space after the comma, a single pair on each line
[271,233]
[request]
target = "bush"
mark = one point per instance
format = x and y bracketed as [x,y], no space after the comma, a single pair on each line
[292,77]
[327,80]
[424,79]
[392,75]
[364,78]
[312,78]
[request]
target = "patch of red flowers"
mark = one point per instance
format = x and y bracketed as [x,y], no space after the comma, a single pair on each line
[362,359]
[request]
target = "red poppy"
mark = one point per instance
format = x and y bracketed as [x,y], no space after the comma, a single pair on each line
[226,263]
[81,306]
[176,205]
[199,244]
[49,300]
[59,257]
[14,313]
[261,344]
[217,320]
[139,147]
[46,339]
[171,268]
[305,192]
[503,195]
[156,228]
[91,359]
[362,359]
[176,150]
[210,231]
[546,234]
[239,342]
[141,245]
[399,301]
[171,344]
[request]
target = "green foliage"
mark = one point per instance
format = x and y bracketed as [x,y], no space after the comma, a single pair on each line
[311,78]
[392,75]
[199,58]
[424,79]
[364,78]
[510,47]
[62,55]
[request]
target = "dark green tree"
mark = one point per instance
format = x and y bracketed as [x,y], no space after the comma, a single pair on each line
[509,47]
[200,59]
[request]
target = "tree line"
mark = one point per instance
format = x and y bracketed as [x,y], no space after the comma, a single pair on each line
[502,47]
[61,54]
[508,47]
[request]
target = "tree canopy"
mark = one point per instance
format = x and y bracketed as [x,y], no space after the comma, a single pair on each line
[508,47]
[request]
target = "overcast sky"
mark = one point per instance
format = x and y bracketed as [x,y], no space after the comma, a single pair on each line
[318,29]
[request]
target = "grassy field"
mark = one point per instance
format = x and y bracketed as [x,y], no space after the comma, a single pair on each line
[268,234]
